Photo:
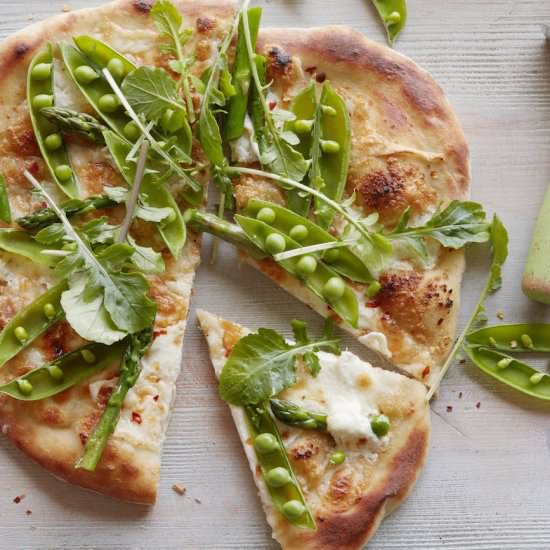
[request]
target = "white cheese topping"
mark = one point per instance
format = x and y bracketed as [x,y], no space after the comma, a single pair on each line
[245,149]
[376,341]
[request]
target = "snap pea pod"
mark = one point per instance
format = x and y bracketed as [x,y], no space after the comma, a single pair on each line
[343,260]
[5,210]
[229,232]
[331,155]
[40,93]
[46,216]
[319,278]
[520,337]
[255,108]
[22,243]
[294,415]
[394,16]
[272,458]
[511,371]
[237,105]
[304,106]
[172,231]
[34,319]
[67,371]
[82,124]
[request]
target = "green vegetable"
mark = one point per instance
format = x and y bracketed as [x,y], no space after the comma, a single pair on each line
[380,424]
[511,338]
[85,74]
[499,242]
[237,104]
[294,415]
[130,369]
[344,302]
[306,265]
[5,209]
[288,497]
[39,95]
[262,364]
[337,458]
[46,216]
[23,244]
[109,103]
[274,243]
[53,142]
[265,443]
[103,302]
[41,71]
[394,16]
[40,383]
[21,334]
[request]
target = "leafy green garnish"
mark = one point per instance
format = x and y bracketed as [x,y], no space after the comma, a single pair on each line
[5,210]
[104,302]
[499,242]
[262,364]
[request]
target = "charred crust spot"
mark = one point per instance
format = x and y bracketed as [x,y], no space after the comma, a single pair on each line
[341,491]
[21,49]
[279,63]
[51,416]
[381,190]
[320,77]
[23,141]
[204,24]
[143,6]
[306,450]
[55,340]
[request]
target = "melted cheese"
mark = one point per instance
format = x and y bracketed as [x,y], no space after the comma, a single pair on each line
[245,149]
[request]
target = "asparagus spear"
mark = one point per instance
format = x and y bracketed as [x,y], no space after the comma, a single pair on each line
[294,415]
[73,121]
[46,216]
[130,370]
[210,223]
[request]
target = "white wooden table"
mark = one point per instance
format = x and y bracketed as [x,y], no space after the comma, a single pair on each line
[487,482]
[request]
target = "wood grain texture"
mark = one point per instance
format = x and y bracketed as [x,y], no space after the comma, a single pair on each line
[487,483]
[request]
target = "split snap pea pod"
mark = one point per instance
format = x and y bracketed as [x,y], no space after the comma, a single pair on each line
[46,216]
[237,105]
[304,106]
[256,109]
[71,121]
[173,230]
[394,16]
[277,471]
[331,154]
[342,260]
[511,371]
[5,209]
[513,338]
[67,371]
[31,322]
[318,277]
[40,93]
[22,243]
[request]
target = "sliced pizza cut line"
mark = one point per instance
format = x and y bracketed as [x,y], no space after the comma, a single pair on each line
[356,438]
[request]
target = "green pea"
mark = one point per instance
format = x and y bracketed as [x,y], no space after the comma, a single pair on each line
[380,424]
[24,386]
[131,131]
[293,510]
[53,142]
[275,243]
[116,68]
[328,110]
[331,256]
[330,146]
[21,334]
[41,71]
[536,378]
[306,265]
[278,477]
[109,103]
[85,74]
[505,362]
[265,443]
[303,126]
[526,341]
[63,172]
[172,121]
[299,233]
[338,457]
[88,356]
[55,372]
[266,215]
[393,18]
[171,217]
[42,100]
[49,311]
[334,289]
[373,289]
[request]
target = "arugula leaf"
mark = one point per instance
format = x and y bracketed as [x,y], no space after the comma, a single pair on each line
[146,259]
[151,91]
[262,364]
[499,243]
[5,210]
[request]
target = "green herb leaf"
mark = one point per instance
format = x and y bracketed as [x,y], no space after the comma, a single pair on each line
[146,259]
[262,364]
[5,210]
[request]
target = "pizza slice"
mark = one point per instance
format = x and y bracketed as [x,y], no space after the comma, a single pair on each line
[96,265]
[350,175]
[334,444]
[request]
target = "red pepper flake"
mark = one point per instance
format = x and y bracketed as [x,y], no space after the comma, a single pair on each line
[449,408]
[272,105]
[440,321]
[29,512]
[425,372]
[311,70]
[462,361]
[373,303]
[478,404]
[18,499]
[460,395]
[136,417]
[320,77]
[156,398]
[158,333]
[34,168]
[83,438]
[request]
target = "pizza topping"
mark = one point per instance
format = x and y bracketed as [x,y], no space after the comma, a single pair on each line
[294,415]
[337,458]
